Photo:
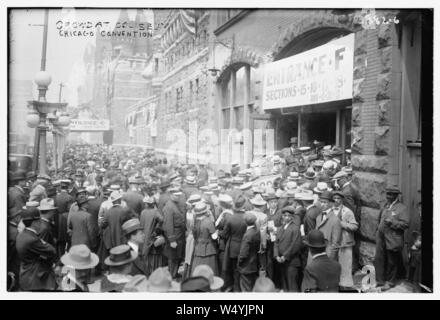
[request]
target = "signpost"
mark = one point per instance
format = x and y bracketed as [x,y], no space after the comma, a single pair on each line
[89,125]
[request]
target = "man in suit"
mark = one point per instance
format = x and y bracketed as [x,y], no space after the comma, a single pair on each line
[248,263]
[112,221]
[63,201]
[330,225]
[47,224]
[233,233]
[174,226]
[81,228]
[394,220]
[16,194]
[288,249]
[189,188]
[37,256]
[135,239]
[164,196]
[93,206]
[133,197]
[321,273]
[13,262]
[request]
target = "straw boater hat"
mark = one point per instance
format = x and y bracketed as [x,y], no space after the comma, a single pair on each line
[149,200]
[280,193]
[225,198]
[291,193]
[258,200]
[315,239]
[175,191]
[120,255]
[290,185]
[321,187]
[339,175]
[293,176]
[304,196]
[200,208]
[190,180]
[237,181]
[214,187]
[393,190]
[115,187]
[31,204]
[115,196]
[80,257]
[193,199]
[131,225]
[246,186]
[204,270]
[47,205]
[161,281]
[304,149]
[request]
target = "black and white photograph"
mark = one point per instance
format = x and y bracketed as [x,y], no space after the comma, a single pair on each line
[218,150]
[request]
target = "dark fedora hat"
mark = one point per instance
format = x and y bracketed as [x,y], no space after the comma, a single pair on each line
[17,176]
[338,193]
[315,239]
[393,189]
[31,213]
[195,284]
[327,195]
[239,202]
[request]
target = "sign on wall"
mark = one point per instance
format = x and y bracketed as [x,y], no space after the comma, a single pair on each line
[89,125]
[319,75]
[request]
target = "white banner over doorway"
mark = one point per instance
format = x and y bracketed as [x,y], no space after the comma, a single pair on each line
[315,76]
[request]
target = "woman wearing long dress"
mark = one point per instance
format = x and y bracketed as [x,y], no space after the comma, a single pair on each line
[151,222]
[205,235]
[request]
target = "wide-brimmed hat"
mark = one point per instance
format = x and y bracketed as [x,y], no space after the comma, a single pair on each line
[304,196]
[200,208]
[321,187]
[246,186]
[338,193]
[310,174]
[214,187]
[304,149]
[120,255]
[239,202]
[326,195]
[161,281]
[29,214]
[264,284]
[80,257]
[289,210]
[195,284]
[138,283]
[190,180]
[225,198]
[115,187]
[206,271]
[237,180]
[339,175]
[258,200]
[115,196]
[315,239]
[43,177]
[318,163]
[175,191]
[47,205]
[131,225]
[31,204]
[294,176]
[336,151]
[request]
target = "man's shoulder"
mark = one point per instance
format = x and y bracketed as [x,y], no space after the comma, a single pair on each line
[323,262]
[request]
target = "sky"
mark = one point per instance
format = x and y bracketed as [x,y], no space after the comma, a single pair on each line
[64,54]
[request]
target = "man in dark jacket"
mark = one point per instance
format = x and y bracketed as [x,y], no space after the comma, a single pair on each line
[47,224]
[63,201]
[321,273]
[16,194]
[288,249]
[174,226]
[135,239]
[133,197]
[248,257]
[233,232]
[394,220]
[13,263]
[93,206]
[37,256]
[81,227]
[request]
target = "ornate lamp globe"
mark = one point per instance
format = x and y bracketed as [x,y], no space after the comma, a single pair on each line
[43,79]
[32,119]
[64,119]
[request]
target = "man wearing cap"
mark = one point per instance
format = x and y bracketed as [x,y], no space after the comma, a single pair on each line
[248,261]
[16,194]
[80,261]
[329,224]
[288,248]
[174,225]
[321,273]
[37,256]
[135,239]
[393,221]
[233,232]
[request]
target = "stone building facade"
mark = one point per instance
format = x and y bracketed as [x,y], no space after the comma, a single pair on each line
[380,123]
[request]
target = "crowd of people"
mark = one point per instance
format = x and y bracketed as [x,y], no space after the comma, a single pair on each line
[126,219]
